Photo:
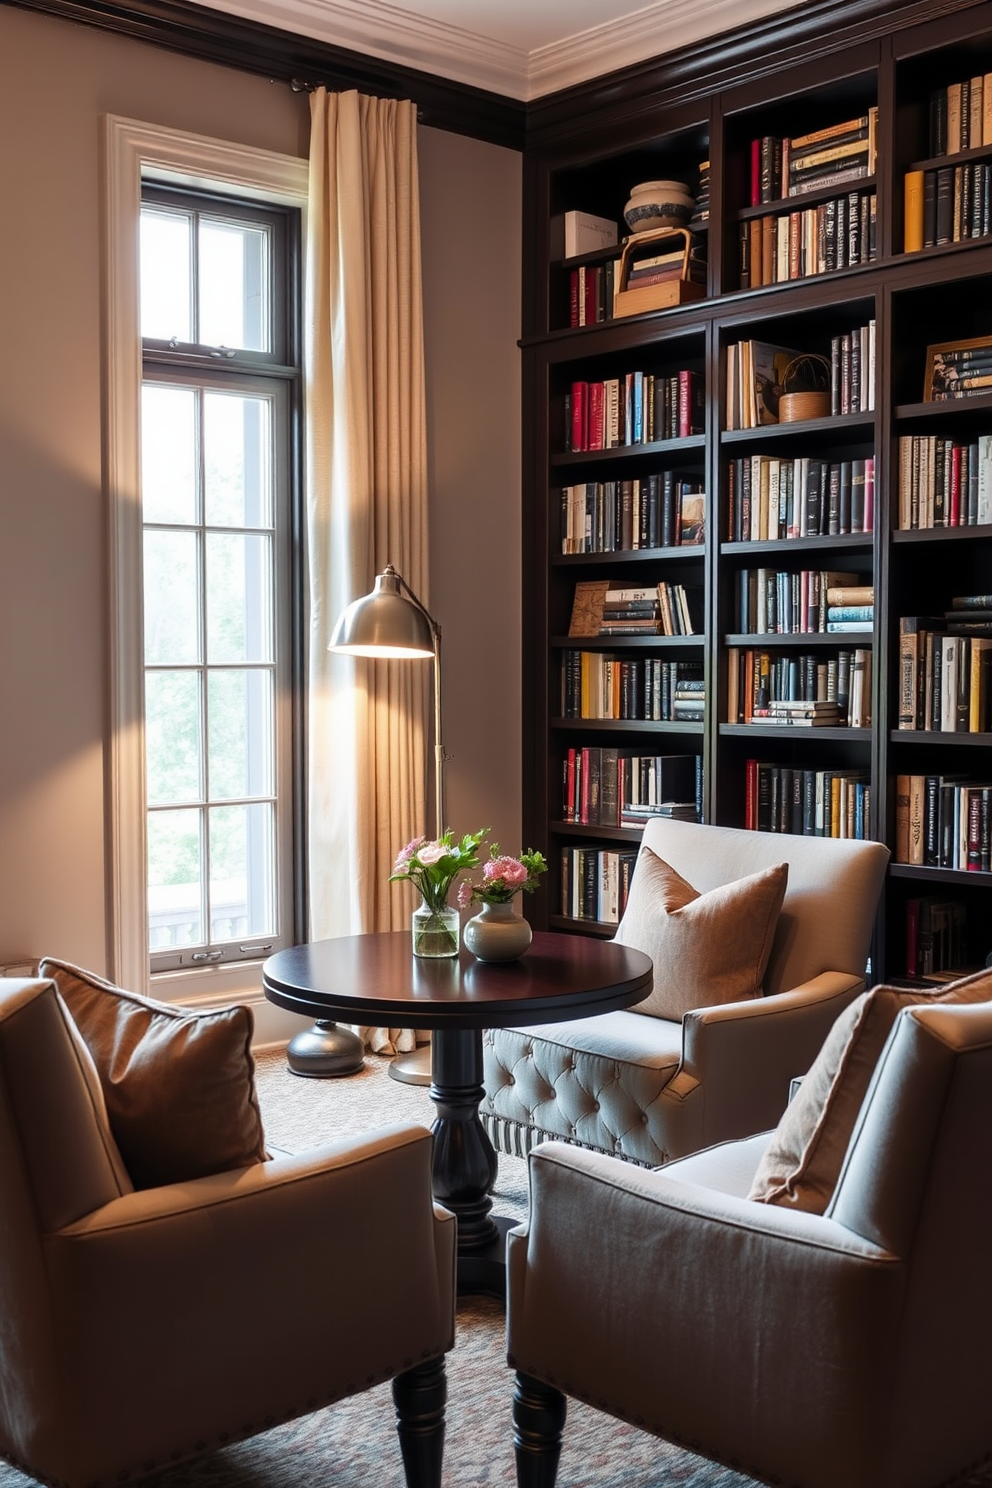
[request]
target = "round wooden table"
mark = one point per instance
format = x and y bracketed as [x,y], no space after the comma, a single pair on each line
[376,980]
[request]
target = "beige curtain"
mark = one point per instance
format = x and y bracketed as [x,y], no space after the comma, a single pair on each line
[367,506]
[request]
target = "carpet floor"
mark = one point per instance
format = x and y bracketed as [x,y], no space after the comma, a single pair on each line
[353,1444]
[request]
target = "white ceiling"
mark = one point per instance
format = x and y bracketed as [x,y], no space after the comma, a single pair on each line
[520,48]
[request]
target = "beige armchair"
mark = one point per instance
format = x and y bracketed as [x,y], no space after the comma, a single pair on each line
[650,1088]
[840,1349]
[140,1327]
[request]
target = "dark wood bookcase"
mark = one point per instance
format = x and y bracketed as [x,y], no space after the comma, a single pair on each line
[585,153]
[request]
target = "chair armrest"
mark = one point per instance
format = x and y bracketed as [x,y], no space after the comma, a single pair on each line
[693,1297]
[738,1060]
[274,1279]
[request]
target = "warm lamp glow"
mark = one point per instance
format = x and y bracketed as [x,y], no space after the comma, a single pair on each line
[391,622]
[385,624]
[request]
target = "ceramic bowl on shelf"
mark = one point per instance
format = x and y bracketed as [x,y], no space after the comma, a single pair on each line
[655,204]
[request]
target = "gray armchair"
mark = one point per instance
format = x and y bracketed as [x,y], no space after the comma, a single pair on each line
[648,1088]
[134,1329]
[843,1349]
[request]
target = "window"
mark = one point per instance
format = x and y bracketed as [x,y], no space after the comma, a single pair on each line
[218,398]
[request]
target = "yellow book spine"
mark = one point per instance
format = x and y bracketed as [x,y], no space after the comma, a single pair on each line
[913,212]
[975,687]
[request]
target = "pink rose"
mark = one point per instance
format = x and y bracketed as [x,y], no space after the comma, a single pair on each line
[431,854]
[406,853]
[509,871]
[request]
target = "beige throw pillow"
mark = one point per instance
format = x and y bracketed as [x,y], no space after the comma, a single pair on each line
[706,948]
[179,1086]
[802,1163]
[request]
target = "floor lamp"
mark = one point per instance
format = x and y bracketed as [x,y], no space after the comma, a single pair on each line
[392,622]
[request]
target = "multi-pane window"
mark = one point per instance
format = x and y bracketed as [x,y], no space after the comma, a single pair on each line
[217,414]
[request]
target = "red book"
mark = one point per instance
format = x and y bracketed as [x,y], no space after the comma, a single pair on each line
[592,296]
[756,173]
[569,802]
[595,432]
[954,509]
[751,795]
[584,786]
[573,297]
[580,417]
[690,413]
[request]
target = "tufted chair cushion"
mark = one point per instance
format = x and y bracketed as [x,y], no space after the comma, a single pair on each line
[593,1082]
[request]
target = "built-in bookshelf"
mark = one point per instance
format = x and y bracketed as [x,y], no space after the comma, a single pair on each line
[809,547]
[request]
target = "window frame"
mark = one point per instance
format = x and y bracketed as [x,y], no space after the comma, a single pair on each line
[134,154]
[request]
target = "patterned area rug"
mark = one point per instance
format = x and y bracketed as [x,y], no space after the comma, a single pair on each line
[353,1444]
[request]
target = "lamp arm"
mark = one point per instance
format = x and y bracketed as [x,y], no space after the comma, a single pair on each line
[439,754]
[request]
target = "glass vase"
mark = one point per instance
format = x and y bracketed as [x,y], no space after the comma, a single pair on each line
[435,931]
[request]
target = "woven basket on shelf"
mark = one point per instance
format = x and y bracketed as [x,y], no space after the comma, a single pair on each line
[805,389]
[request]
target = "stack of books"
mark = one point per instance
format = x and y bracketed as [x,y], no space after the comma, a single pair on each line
[629,689]
[701,214]
[804,689]
[959,371]
[689,700]
[656,609]
[850,607]
[826,157]
[661,268]
[601,786]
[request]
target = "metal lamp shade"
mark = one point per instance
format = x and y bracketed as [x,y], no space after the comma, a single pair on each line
[384,623]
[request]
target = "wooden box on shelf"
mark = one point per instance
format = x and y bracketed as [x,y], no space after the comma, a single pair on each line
[676,289]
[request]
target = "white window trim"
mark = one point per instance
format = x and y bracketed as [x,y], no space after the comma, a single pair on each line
[133,152]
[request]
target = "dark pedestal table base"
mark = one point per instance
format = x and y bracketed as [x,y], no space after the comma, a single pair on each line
[465,1162]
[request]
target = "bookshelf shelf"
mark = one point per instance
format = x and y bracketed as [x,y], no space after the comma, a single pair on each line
[800,640]
[787,731]
[587,159]
[626,726]
[847,543]
[624,452]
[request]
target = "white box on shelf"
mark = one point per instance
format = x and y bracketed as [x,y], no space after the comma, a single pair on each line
[574,233]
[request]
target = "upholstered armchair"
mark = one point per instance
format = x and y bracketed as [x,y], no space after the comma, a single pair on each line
[827,1342]
[147,1320]
[747,983]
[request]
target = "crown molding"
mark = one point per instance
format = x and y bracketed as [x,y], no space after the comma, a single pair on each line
[660,28]
[377,29]
[229,40]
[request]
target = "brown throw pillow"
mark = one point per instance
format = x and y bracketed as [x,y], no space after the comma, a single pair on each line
[179,1086]
[706,948]
[802,1163]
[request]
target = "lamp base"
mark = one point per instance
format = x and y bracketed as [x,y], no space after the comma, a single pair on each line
[413,1068]
[326,1051]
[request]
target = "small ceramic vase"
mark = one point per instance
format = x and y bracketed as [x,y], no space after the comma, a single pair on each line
[658,204]
[498,933]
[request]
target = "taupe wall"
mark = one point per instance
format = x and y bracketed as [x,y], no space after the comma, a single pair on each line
[56,80]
